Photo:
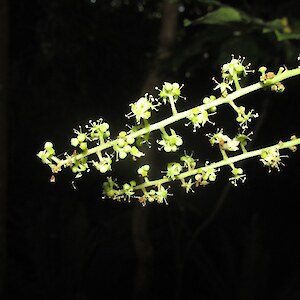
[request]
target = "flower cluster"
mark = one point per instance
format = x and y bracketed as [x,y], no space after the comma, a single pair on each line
[143,170]
[170,143]
[223,86]
[141,109]
[266,78]
[205,175]
[98,131]
[224,141]
[170,92]
[209,100]
[79,166]
[271,158]
[198,117]
[244,118]
[188,162]
[238,175]
[93,146]
[104,163]
[46,154]
[159,195]
[235,69]
[232,73]
[173,170]
[110,189]
[123,146]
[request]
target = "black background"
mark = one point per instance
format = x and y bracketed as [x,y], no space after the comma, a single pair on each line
[71,61]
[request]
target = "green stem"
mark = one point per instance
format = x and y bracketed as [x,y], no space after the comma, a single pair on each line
[182,115]
[225,156]
[236,82]
[173,107]
[234,106]
[163,131]
[219,164]
[244,150]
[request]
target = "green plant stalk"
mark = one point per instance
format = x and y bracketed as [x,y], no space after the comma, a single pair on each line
[173,107]
[236,82]
[184,114]
[215,165]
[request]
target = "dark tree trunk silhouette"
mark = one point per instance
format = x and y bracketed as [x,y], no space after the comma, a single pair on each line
[142,243]
[3,137]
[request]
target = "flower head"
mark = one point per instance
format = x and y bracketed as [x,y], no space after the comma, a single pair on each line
[238,175]
[173,170]
[171,142]
[199,118]
[110,189]
[271,158]
[224,141]
[142,108]
[170,90]
[235,68]
[244,118]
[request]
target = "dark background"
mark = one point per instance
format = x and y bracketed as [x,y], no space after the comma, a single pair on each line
[71,61]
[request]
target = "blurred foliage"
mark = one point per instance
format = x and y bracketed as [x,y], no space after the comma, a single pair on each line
[213,30]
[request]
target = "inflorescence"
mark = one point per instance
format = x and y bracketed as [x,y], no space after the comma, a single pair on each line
[94,147]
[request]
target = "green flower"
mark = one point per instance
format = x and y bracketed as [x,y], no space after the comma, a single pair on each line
[235,68]
[46,154]
[224,141]
[238,175]
[244,118]
[98,130]
[143,170]
[128,189]
[199,118]
[171,142]
[188,162]
[110,189]
[224,86]
[173,170]
[104,164]
[271,158]
[188,185]
[170,90]
[142,108]
[162,194]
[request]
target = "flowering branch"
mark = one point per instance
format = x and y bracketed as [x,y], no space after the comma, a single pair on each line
[94,147]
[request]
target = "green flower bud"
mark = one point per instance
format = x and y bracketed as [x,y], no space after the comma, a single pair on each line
[168,148]
[122,154]
[106,134]
[127,148]
[126,186]
[81,137]
[130,140]
[143,170]
[237,171]
[240,119]
[179,141]
[103,127]
[74,142]
[136,152]
[75,169]
[83,146]
[48,145]
[121,142]
[122,134]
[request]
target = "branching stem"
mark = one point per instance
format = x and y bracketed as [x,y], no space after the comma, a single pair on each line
[215,165]
[177,116]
